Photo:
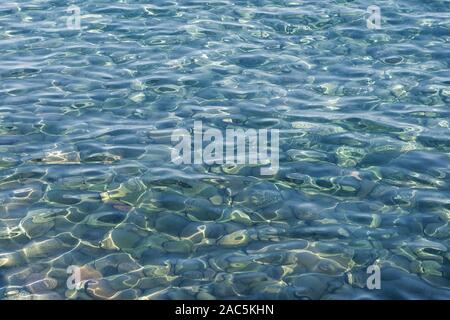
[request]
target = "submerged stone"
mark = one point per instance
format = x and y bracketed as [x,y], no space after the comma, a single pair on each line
[236,238]
[171,223]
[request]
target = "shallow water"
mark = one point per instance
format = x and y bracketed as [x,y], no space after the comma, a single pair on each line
[86,177]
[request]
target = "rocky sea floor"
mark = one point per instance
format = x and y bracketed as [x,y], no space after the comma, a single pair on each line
[86,177]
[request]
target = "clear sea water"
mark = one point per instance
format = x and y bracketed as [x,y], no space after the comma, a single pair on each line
[86,177]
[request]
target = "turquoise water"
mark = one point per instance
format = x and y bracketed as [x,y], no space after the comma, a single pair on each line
[86,177]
